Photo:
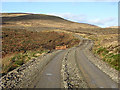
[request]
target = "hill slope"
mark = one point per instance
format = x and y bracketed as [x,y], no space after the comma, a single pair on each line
[40,20]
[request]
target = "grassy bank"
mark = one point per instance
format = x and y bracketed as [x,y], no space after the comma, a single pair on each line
[107,48]
[111,58]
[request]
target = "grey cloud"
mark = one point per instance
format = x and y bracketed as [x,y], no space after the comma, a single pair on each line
[111,21]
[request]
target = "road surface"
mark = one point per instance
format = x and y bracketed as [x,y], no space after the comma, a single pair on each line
[50,77]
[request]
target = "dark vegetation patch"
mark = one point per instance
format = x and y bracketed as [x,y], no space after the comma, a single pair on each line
[19,45]
[33,17]
[22,40]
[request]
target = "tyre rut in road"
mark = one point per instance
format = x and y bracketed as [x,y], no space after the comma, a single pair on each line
[71,76]
[50,76]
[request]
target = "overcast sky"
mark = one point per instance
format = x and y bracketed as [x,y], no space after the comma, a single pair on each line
[103,14]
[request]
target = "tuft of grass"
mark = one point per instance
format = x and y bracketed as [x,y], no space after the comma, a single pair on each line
[12,67]
[102,50]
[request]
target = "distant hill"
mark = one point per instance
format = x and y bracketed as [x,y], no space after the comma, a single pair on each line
[41,20]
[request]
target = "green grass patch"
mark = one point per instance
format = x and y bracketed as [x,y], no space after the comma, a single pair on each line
[102,50]
[20,59]
[111,58]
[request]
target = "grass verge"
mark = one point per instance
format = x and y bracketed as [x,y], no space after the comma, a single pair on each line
[19,59]
[111,58]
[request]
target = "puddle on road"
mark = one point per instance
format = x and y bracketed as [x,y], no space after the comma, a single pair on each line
[49,74]
[101,87]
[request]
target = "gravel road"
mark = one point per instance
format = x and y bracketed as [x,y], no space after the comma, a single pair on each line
[72,68]
[92,74]
[50,77]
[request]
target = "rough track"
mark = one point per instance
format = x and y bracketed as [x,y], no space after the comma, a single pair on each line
[92,74]
[71,68]
[50,77]
[77,71]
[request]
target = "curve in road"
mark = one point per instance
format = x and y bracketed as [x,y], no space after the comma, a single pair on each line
[50,77]
[93,75]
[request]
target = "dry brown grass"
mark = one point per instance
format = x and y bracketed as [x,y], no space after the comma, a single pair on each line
[21,40]
[41,20]
[20,45]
